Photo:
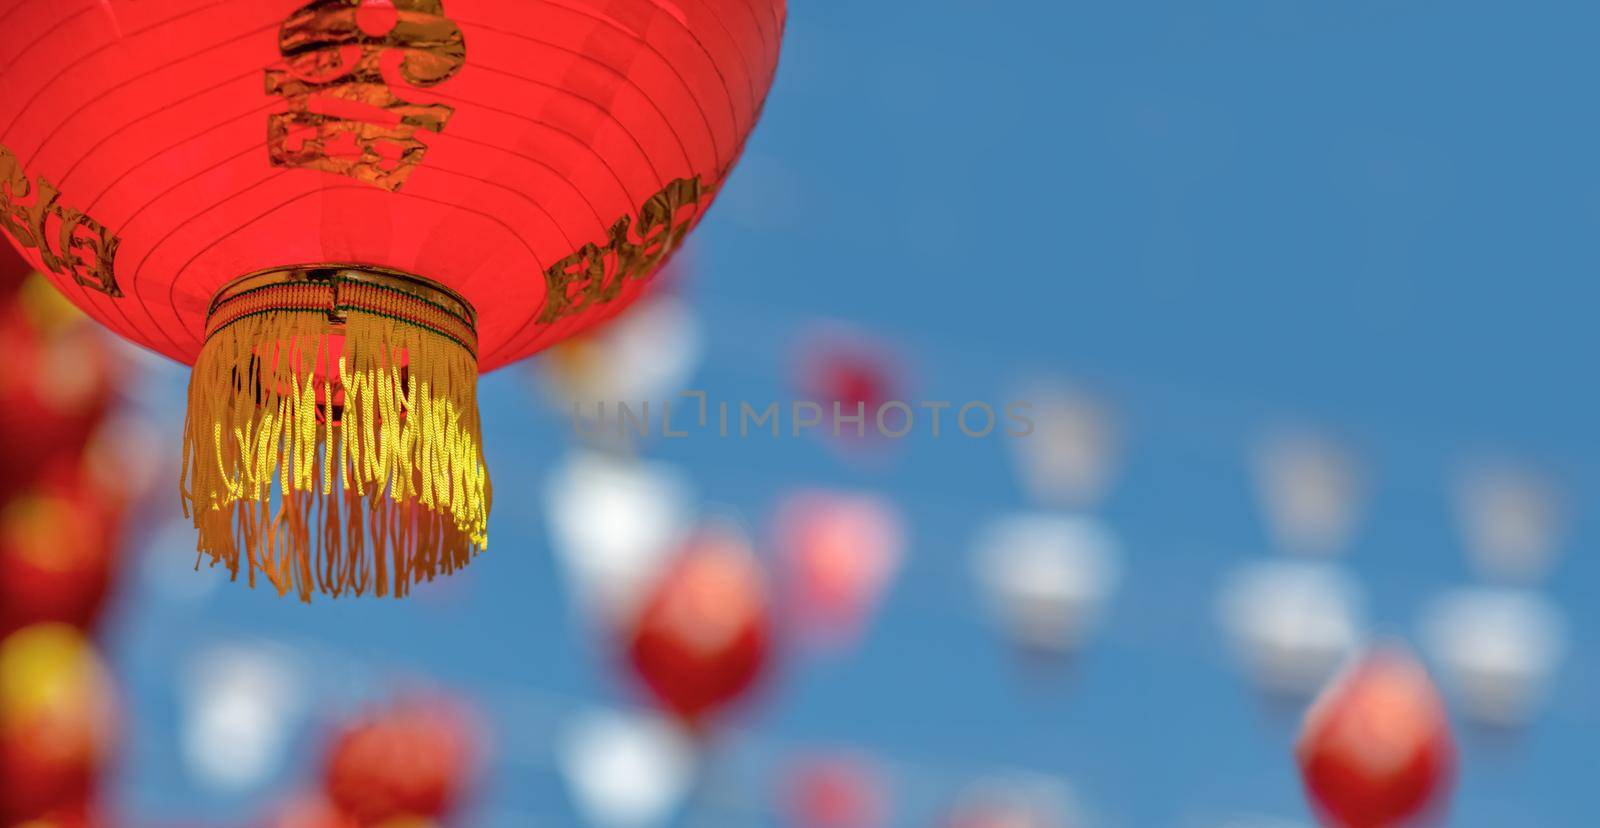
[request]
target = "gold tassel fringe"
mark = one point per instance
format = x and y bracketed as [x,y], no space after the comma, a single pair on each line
[370,483]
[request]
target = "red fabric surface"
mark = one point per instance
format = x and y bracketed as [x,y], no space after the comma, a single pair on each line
[555,120]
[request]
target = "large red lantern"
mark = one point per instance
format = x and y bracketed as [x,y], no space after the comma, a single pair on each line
[1375,749]
[341,211]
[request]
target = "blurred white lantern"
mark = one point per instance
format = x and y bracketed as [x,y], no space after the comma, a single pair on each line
[1510,517]
[1047,578]
[1292,623]
[614,523]
[1498,650]
[241,705]
[626,770]
[1309,488]
[1067,460]
[649,353]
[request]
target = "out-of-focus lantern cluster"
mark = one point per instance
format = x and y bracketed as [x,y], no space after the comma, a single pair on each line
[61,519]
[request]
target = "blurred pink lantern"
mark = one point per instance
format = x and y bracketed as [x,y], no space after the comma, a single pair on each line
[1047,578]
[836,792]
[847,374]
[1292,623]
[1310,487]
[1511,518]
[1497,649]
[1375,750]
[1068,459]
[840,551]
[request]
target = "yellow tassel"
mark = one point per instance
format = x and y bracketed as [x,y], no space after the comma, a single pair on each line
[381,483]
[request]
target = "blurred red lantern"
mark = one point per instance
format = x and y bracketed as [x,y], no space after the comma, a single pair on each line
[840,551]
[836,792]
[57,722]
[703,634]
[341,211]
[413,760]
[56,385]
[1375,749]
[57,556]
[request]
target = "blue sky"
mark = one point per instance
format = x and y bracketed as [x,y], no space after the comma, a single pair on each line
[1372,216]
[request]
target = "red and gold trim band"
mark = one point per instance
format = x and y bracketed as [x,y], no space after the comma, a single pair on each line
[339,292]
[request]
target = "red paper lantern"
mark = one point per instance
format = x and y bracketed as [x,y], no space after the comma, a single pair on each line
[702,636]
[1375,749]
[411,761]
[340,211]
[57,722]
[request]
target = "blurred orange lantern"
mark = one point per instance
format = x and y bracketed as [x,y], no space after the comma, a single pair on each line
[413,760]
[1375,749]
[56,386]
[703,635]
[57,722]
[57,556]
[341,211]
[840,551]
